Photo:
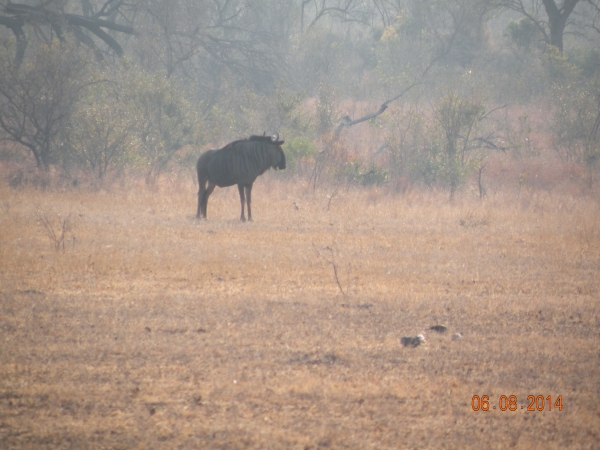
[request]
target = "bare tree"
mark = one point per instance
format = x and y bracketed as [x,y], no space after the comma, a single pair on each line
[38,98]
[216,43]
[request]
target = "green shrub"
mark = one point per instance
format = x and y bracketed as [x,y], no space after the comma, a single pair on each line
[299,154]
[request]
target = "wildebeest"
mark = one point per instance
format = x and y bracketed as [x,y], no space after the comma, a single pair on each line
[239,162]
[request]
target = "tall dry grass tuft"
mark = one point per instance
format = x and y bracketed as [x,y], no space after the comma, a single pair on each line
[159,330]
[57,228]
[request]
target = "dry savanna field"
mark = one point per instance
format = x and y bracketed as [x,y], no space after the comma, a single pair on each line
[125,323]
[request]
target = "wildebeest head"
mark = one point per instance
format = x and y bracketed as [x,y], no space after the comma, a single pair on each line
[278,156]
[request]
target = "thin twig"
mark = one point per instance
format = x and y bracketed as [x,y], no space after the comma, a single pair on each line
[332,262]
[333,194]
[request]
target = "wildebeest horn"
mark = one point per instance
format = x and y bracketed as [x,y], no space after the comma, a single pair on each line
[275,137]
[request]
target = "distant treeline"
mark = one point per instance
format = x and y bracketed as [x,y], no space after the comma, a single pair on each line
[367,92]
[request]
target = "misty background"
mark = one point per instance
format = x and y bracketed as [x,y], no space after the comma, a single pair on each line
[403,93]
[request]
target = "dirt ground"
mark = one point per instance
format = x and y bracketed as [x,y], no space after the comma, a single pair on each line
[125,323]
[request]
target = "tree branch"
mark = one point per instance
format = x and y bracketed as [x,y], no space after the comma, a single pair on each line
[19,14]
[16,25]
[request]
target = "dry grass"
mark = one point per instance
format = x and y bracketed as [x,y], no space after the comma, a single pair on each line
[151,330]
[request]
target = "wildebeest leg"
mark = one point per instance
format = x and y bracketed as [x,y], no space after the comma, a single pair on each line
[201,190]
[242,201]
[204,201]
[249,200]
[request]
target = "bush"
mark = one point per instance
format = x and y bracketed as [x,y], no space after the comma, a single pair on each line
[355,172]
[523,33]
[299,154]
[165,119]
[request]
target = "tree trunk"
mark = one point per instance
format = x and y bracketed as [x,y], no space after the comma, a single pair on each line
[557,20]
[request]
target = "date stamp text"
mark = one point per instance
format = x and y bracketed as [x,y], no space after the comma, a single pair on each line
[510,403]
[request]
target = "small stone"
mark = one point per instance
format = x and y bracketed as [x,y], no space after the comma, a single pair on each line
[456,336]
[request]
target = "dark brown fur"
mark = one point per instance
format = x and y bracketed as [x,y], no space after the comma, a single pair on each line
[239,162]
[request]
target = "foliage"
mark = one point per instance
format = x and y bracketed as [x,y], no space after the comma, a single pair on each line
[101,134]
[458,118]
[444,146]
[326,108]
[406,140]
[356,172]
[576,122]
[586,59]
[321,56]
[299,154]
[244,112]
[523,33]
[208,72]
[559,70]
[164,119]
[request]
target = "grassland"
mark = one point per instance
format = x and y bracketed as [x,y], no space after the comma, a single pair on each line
[143,328]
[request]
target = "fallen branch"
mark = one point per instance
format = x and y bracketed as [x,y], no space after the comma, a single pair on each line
[348,122]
